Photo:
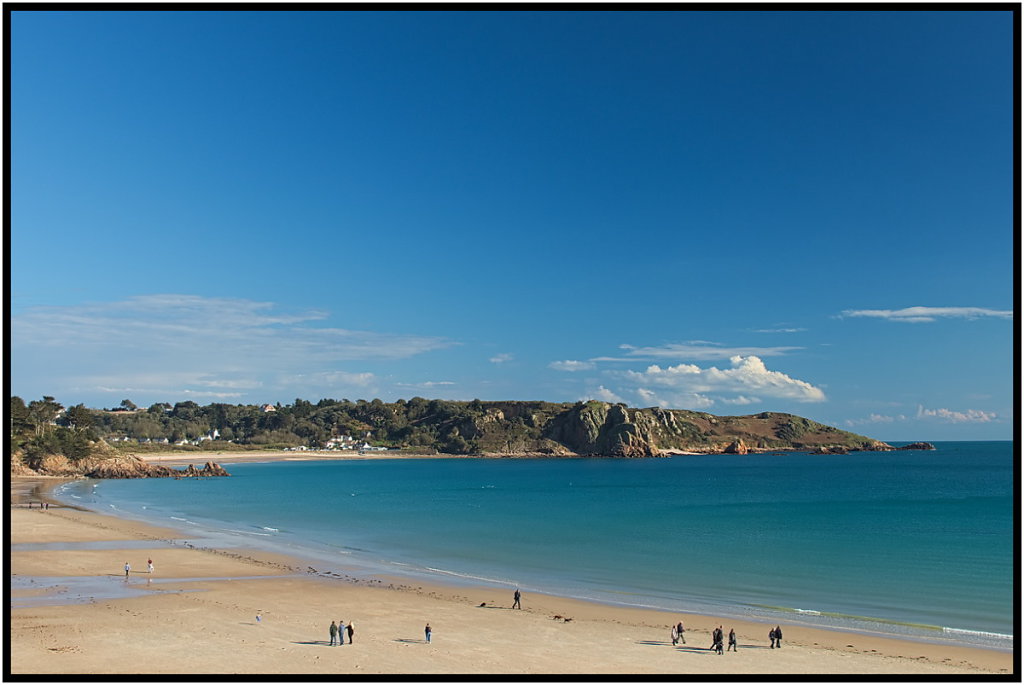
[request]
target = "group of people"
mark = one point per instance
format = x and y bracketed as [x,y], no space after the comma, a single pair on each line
[128,567]
[677,634]
[718,637]
[338,630]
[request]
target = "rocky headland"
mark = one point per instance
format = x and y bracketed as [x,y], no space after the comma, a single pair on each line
[505,429]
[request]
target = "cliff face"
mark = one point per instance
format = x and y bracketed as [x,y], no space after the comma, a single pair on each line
[598,428]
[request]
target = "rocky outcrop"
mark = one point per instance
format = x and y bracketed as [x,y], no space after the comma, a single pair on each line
[737,447]
[830,449]
[118,466]
[124,466]
[599,428]
[917,446]
[212,469]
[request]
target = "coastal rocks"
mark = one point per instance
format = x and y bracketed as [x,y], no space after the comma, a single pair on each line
[118,466]
[737,447]
[125,466]
[830,449]
[918,446]
[212,469]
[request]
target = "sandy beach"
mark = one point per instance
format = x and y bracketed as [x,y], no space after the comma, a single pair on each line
[196,614]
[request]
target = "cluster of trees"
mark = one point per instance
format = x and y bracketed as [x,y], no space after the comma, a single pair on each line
[45,427]
[446,426]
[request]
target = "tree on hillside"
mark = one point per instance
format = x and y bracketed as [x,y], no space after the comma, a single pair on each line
[128,405]
[43,413]
[78,417]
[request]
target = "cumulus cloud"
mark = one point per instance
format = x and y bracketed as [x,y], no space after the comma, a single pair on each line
[571,365]
[604,394]
[501,358]
[929,314]
[950,416]
[747,375]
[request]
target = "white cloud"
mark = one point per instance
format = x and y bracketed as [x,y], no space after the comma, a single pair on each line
[950,416]
[674,400]
[741,400]
[698,350]
[928,314]
[501,358]
[170,345]
[875,419]
[747,375]
[571,365]
[604,394]
[780,330]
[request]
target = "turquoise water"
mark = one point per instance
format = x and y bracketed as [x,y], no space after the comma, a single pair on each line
[902,542]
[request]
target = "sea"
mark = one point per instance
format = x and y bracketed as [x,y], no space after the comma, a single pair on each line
[915,544]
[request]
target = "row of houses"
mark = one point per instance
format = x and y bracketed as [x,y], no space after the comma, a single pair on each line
[211,435]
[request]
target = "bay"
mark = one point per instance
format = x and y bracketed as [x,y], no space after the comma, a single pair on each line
[908,543]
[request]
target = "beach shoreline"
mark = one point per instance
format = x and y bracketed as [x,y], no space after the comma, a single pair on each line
[472,619]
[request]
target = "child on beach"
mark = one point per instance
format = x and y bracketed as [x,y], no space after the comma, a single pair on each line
[127,569]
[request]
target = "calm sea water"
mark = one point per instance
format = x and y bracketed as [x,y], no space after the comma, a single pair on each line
[911,543]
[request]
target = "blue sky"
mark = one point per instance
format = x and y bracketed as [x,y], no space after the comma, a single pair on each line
[734,212]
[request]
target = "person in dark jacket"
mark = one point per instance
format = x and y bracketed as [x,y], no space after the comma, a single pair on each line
[778,637]
[732,640]
[351,632]
[334,633]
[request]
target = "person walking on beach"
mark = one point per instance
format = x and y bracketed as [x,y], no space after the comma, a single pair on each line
[127,569]
[334,633]
[351,632]
[515,600]
[778,637]
[150,562]
[719,639]
[258,617]
[674,635]
[426,632]
[341,632]
[680,631]
[771,636]
[732,640]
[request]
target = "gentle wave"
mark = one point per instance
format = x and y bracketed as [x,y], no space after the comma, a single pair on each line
[976,633]
[469,576]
